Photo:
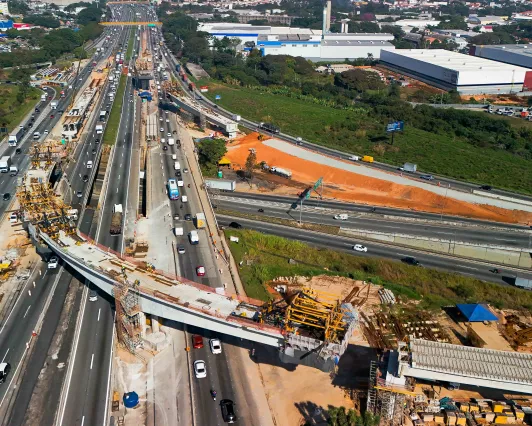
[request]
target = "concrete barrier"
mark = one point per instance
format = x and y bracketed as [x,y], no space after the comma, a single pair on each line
[490,253]
[502,197]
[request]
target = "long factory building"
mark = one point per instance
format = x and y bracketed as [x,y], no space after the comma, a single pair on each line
[315,45]
[469,75]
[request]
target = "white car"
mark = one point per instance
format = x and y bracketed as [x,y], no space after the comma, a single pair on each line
[216,346]
[169,134]
[89,164]
[168,120]
[161,130]
[200,370]
[342,216]
[360,247]
[13,218]
[53,263]
[160,119]
[46,132]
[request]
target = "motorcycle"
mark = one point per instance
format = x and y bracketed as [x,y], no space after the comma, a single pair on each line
[213,394]
[495,270]
[261,210]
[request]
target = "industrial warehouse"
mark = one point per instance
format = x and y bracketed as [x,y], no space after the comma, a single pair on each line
[515,54]
[469,75]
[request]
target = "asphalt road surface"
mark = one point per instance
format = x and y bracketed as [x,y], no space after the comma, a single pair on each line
[476,269]
[381,223]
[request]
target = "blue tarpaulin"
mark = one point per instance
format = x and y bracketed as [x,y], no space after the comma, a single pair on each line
[477,312]
[5,25]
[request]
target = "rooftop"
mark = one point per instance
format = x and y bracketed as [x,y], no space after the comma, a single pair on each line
[355,43]
[477,312]
[521,49]
[456,61]
[466,361]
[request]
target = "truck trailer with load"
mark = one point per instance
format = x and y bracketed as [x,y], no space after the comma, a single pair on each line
[99,129]
[53,104]
[409,167]
[221,184]
[15,137]
[281,172]
[116,220]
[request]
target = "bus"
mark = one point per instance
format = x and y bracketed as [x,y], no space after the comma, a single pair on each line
[173,191]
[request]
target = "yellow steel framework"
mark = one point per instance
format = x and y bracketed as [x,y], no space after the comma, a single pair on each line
[130,23]
[317,310]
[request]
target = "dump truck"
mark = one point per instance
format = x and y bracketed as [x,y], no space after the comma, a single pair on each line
[116,220]
[221,184]
[200,220]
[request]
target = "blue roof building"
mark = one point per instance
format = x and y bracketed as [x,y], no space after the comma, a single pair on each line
[477,312]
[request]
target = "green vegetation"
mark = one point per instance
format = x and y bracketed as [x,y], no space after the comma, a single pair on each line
[113,123]
[209,154]
[340,416]
[130,45]
[433,148]
[266,257]
[15,102]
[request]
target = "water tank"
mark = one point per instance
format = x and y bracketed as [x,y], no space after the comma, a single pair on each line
[131,399]
[220,174]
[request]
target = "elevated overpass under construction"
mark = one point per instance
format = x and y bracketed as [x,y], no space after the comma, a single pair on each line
[130,23]
[307,326]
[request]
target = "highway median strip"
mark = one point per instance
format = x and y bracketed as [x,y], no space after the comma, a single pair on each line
[111,130]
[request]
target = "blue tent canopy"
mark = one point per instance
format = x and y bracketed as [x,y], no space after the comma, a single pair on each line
[477,312]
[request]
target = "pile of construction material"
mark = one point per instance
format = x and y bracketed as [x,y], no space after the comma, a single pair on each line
[479,412]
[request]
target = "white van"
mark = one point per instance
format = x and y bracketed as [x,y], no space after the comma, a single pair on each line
[341,216]
[178,231]
[193,237]
[180,183]
[184,198]
[36,135]
[174,157]
[177,166]
[89,164]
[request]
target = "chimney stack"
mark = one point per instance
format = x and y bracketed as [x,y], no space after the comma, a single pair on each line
[324,23]
[328,23]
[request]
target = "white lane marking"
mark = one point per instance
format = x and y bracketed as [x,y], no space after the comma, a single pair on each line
[26,313]
[118,176]
[82,420]
[4,358]
[117,190]
[99,311]
[92,360]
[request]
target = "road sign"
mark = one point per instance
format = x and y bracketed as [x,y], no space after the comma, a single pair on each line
[396,126]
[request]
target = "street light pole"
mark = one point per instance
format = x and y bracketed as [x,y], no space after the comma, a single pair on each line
[301,211]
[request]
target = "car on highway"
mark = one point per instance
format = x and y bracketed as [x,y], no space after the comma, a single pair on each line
[5,368]
[79,194]
[168,120]
[188,216]
[165,148]
[427,177]
[235,225]
[200,271]
[169,134]
[46,132]
[161,130]
[93,151]
[409,260]
[216,346]
[93,296]
[52,116]
[197,341]
[160,119]
[360,247]
[85,178]
[53,263]
[13,218]
[486,187]
[341,216]
[6,196]
[181,249]
[178,173]
[185,170]
[18,151]
[228,410]
[89,164]
[200,370]
[97,141]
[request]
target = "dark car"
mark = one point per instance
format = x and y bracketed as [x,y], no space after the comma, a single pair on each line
[18,151]
[427,177]
[79,194]
[178,173]
[409,260]
[93,151]
[188,216]
[97,141]
[7,196]
[235,225]
[85,178]
[165,148]
[228,410]
[37,110]
[486,187]
[52,116]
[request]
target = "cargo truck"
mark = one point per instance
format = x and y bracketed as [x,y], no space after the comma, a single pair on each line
[5,163]
[409,167]
[43,98]
[15,137]
[367,158]
[221,184]
[193,237]
[200,220]
[99,129]
[53,104]
[116,220]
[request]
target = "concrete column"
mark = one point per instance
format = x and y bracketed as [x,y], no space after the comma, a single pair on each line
[154,324]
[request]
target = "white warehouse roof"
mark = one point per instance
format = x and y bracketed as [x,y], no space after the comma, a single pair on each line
[448,70]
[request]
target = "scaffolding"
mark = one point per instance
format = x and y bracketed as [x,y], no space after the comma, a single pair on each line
[128,312]
[42,208]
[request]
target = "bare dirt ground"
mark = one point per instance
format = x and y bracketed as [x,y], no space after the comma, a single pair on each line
[353,187]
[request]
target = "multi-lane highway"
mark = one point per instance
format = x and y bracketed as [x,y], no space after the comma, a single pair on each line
[472,232]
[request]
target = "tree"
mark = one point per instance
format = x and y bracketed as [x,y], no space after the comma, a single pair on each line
[80,53]
[210,153]
[17,7]
[47,21]
[251,162]
[358,80]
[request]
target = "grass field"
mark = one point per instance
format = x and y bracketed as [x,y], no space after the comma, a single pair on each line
[438,154]
[111,130]
[11,111]
[266,257]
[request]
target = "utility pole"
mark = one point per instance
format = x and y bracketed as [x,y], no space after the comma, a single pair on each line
[301,211]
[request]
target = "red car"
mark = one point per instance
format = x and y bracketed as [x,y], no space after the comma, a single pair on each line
[200,271]
[197,341]
[52,116]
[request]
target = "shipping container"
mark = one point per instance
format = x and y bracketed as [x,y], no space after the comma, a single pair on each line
[221,184]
